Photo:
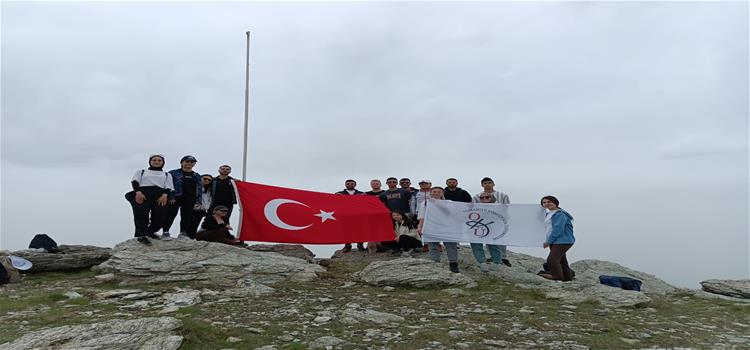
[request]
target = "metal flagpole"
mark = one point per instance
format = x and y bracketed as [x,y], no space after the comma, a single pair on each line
[247,105]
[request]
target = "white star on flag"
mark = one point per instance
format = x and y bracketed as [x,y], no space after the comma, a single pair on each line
[324,215]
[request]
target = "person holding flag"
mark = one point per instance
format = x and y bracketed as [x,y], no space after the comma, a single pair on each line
[451,248]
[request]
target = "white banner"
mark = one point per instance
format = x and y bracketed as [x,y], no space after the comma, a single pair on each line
[520,225]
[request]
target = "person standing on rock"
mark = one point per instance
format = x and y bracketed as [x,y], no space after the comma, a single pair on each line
[375,185]
[186,198]
[206,198]
[151,188]
[477,249]
[499,253]
[560,239]
[455,193]
[350,188]
[376,188]
[222,190]
[396,198]
[451,248]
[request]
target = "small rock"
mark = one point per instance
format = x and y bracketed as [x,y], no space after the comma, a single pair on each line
[389,288]
[629,341]
[285,337]
[105,277]
[117,293]
[456,334]
[321,319]
[326,342]
[233,340]
[348,284]
[73,295]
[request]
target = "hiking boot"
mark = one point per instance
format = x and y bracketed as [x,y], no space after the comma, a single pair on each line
[361,247]
[347,248]
[453,267]
[153,236]
[506,262]
[144,240]
[484,267]
[166,237]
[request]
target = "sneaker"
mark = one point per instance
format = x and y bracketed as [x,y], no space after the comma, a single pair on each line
[484,267]
[347,248]
[453,267]
[440,248]
[495,267]
[361,247]
[406,254]
[506,262]
[425,248]
[183,236]
[144,240]
[153,236]
[165,236]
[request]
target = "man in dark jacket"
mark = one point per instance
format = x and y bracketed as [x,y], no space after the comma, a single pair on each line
[455,193]
[186,198]
[350,189]
[223,191]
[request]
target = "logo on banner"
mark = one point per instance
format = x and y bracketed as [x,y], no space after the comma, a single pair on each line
[483,223]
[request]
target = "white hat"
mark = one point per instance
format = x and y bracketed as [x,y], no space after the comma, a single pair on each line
[20,263]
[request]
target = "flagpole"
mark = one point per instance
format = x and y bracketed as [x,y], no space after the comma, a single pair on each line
[247,105]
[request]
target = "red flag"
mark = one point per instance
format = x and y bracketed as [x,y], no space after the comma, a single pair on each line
[285,215]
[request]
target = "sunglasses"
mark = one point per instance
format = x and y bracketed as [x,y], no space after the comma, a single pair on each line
[485,197]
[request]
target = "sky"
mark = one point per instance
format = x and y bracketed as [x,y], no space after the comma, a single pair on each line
[635,115]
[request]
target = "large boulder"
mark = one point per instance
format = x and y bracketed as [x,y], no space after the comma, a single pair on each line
[153,333]
[731,288]
[584,287]
[70,257]
[212,263]
[411,272]
[293,250]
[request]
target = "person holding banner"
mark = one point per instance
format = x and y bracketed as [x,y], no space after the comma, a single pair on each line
[498,253]
[477,249]
[559,240]
[451,248]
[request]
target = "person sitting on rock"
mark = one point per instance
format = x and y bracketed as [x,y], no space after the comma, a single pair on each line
[406,236]
[216,228]
[451,248]
[559,239]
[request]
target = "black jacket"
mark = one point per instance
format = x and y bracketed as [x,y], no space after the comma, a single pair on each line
[457,195]
[356,191]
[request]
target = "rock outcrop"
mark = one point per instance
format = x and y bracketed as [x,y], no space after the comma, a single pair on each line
[212,263]
[411,272]
[731,288]
[70,257]
[293,250]
[153,333]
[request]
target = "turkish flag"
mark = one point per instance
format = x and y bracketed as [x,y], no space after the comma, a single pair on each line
[285,215]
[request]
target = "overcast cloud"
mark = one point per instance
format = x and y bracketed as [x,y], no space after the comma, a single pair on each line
[634,114]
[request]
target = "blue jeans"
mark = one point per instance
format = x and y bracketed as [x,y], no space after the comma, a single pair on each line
[497,252]
[451,249]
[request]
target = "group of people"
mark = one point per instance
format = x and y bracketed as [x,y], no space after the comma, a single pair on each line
[158,196]
[408,205]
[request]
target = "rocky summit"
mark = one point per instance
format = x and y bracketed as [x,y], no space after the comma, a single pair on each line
[200,295]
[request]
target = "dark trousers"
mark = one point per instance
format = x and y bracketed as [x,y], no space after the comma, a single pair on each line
[558,262]
[189,219]
[220,235]
[404,243]
[148,216]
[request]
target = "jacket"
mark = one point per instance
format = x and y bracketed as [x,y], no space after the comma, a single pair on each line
[356,191]
[177,179]
[457,195]
[561,231]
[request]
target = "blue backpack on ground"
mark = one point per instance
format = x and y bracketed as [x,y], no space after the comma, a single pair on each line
[626,283]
